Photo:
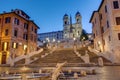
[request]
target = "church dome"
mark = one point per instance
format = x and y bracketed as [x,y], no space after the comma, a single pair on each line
[65,16]
[78,14]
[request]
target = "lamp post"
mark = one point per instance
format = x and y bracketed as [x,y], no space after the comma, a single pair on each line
[47,40]
[54,42]
[58,43]
[83,41]
[74,42]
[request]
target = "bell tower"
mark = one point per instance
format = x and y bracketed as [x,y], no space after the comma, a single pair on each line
[66,23]
[66,20]
[78,18]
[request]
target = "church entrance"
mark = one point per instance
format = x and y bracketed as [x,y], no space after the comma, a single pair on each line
[4,56]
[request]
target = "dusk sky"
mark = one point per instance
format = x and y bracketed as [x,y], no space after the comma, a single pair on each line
[48,14]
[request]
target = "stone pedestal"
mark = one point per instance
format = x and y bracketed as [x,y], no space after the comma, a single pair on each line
[27,60]
[75,75]
[86,57]
[24,77]
[100,62]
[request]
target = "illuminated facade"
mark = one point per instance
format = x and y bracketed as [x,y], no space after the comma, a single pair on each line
[106,28]
[55,35]
[18,35]
[71,30]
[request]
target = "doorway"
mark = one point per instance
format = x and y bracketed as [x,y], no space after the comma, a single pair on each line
[4,56]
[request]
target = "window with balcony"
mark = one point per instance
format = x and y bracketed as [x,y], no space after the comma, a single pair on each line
[115,4]
[117,20]
[6,32]
[7,20]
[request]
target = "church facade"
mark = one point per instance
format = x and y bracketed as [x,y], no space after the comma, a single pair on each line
[72,30]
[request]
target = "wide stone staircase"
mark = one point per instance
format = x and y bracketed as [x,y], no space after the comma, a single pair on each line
[50,59]
[60,56]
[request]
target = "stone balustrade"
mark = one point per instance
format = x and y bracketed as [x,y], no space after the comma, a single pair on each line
[26,57]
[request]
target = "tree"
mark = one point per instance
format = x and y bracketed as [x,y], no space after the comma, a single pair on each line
[83,36]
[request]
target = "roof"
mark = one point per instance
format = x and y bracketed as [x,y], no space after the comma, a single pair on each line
[65,15]
[60,31]
[34,23]
[21,17]
[21,11]
[92,16]
[97,10]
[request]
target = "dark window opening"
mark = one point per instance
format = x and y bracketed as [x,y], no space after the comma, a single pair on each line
[107,24]
[15,33]
[117,20]
[65,22]
[16,21]
[0,20]
[25,36]
[105,8]
[6,32]
[109,38]
[25,26]
[115,4]
[102,29]
[100,16]
[7,19]
[119,36]
[35,30]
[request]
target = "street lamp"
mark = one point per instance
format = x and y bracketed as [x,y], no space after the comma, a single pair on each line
[83,41]
[74,42]
[54,40]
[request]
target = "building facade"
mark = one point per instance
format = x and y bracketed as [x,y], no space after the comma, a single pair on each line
[106,28]
[71,30]
[51,36]
[18,35]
